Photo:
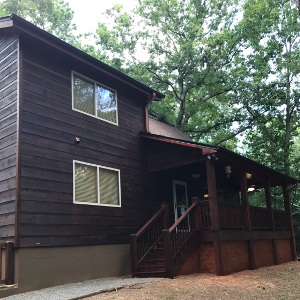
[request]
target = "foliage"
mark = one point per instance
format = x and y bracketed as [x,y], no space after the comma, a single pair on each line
[54,16]
[193,53]
[275,43]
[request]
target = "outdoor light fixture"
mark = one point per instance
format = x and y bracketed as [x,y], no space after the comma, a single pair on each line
[248,175]
[77,140]
[206,196]
[208,156]
[215,157]
[228,171]
[251,188]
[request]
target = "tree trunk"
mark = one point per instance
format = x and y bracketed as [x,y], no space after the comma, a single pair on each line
[287,137]
[298,5]
[182,96]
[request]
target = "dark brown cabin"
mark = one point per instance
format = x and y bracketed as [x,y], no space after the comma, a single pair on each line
[83,168]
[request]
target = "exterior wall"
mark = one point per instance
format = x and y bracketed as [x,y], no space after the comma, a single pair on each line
[260,248]
[9,46]
[202,260]
[50,266]
[284,251]
[48,216]
[235,256]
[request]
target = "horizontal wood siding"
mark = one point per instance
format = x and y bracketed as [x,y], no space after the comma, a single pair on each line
[8,134]
[48,216]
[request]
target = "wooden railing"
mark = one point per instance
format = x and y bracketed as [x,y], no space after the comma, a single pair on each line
[232,215]
[261,218]
[8,260]
[281,219]
[148,236]
[204,215]
[180,239]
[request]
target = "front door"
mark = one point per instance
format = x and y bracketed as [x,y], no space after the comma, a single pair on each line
[180,198]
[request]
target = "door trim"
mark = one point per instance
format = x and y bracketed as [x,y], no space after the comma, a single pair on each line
[174,196]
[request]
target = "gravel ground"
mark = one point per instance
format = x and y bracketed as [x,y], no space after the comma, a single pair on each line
[281,282]
[80,289]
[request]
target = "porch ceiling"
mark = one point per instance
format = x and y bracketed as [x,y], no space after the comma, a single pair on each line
[169,153]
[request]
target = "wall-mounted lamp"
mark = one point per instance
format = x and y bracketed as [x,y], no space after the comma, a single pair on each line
[77,140]
[228,171]
[215,157]
[208,157]
[248,175]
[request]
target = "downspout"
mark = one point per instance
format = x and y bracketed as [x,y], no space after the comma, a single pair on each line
[146,111]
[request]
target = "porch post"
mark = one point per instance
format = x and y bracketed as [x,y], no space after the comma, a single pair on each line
[214,210]
[244,196]
[166,221]
[269,205]
[288,210]
[212,194]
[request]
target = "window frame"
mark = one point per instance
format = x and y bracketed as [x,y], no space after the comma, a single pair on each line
[95,83]
[98,184]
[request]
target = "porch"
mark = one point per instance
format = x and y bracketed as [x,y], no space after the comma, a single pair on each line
[208,196]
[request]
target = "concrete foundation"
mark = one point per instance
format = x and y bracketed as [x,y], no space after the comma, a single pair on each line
[37,268]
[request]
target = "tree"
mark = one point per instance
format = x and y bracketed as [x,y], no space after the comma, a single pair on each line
[192,50]
[54,16]
[275,38]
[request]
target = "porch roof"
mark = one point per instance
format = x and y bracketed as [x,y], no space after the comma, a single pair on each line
[227,156]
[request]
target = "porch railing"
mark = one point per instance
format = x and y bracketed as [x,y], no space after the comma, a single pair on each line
[261,218]
[147,237]
[180,239]
[281,219]
[204,215]
[8,261]
[232,215]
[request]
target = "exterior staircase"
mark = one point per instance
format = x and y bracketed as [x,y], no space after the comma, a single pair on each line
[154,264]
[160,251]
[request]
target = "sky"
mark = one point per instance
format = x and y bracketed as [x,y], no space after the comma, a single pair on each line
[87,13]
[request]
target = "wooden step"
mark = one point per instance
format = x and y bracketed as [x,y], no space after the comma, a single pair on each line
[158,251]
[159,246]
[152,262]
[155,256]
[155,268]
[149,274]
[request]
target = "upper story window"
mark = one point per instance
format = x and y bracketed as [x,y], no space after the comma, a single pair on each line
[93,98]
[96,185]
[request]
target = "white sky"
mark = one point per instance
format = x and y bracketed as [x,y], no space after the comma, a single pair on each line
[87,13]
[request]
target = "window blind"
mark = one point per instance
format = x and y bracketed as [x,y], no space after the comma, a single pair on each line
[85,183]
[109,186]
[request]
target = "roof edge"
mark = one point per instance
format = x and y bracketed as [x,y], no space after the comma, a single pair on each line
[46,37]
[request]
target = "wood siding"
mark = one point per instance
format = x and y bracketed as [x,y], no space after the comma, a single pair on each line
[8,134]
[48,216]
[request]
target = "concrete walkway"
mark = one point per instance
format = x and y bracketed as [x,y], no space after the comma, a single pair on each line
[79,290]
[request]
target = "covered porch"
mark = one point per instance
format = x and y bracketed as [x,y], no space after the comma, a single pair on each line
[209,193]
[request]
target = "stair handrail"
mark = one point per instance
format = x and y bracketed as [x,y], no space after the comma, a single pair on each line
[149,223]
[180,220]
[175,241]
[149,235]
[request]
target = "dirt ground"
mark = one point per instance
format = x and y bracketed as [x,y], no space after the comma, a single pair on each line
[276,282]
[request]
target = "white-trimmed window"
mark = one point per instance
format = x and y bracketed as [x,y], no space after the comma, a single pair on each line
[93,98]
[96,185]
